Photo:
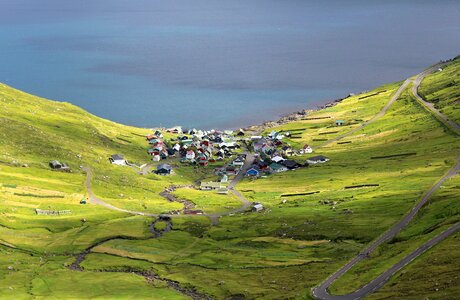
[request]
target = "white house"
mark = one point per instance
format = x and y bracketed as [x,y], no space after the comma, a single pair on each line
[306,149]
[239,161]
[190,155]
[227,145]
[156,158]
[277,158]
[118,159]
[320,159]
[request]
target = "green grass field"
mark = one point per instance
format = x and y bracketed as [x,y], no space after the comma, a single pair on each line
[279,253]
[443,89]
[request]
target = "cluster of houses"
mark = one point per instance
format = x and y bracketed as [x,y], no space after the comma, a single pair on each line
[273,145]
[193,146]
[273,155]
[231,169]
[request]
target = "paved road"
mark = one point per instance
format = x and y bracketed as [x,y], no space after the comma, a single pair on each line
[214,217]
[375,118]
[429,105]
[321,291]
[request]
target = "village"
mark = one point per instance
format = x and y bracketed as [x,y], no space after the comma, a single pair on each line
[221,154]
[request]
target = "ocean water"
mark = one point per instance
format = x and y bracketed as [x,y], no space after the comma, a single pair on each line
[214,63]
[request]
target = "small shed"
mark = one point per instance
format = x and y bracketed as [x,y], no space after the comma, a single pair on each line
[257,207]
[54,164]
[117,159]
[163,169]
[58,166]
[339,122]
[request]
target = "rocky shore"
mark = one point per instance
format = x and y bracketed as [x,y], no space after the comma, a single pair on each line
[295,116]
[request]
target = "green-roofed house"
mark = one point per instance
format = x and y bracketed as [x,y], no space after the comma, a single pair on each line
[339,122]
[277,168]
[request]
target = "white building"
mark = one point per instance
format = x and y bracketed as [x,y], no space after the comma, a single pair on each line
[257,207]
[118,159]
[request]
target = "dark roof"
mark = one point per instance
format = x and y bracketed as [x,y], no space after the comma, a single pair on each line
[289,163]
[55,164]
[117,157]
[275,166]
[318,158]
[164,166]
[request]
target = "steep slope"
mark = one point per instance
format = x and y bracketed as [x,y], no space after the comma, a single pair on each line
[443,89]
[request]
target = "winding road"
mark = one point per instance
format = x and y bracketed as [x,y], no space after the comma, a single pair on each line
[213,217]
[429,105]
[375,118]
[321,291]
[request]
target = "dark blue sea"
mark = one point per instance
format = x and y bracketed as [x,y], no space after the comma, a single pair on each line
[215,63]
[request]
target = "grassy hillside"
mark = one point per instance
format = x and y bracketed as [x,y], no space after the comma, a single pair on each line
[443,89]
[279,253]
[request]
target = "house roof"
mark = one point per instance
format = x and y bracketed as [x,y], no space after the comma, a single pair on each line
[252,170]
[164,166]
[117,157]
[318,158]
[275,166]
[277,158]
[289,163]
[211,184]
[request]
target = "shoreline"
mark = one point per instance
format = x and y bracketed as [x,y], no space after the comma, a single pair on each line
[293,116]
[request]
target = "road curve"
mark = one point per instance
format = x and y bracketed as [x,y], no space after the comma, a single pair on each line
[429,105]
[321,291]
[213,217]
[375,118]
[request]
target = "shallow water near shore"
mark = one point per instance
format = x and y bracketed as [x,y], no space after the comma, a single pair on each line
[216,64]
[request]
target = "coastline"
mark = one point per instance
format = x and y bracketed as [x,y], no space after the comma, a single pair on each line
[293,116]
